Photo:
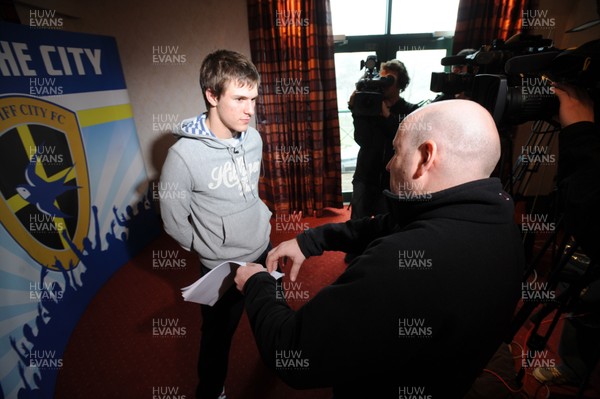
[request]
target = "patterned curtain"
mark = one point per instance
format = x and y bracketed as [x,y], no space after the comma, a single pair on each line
[481,21]
[292,47]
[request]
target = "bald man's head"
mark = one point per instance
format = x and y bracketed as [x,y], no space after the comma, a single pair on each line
[458,138]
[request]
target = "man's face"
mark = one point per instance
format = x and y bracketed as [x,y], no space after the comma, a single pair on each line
[403,164]
[235,106]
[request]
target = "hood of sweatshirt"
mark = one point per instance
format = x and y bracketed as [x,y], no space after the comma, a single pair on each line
[197,128]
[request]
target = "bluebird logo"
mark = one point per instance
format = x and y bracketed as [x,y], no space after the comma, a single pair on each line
[45,188]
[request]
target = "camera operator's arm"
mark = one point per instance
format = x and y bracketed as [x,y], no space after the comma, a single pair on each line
[579,167]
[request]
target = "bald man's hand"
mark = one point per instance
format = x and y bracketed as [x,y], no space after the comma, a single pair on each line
[243,273]
[575,104]
[287,249]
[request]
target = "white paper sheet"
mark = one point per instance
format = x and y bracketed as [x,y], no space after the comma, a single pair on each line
[208,289]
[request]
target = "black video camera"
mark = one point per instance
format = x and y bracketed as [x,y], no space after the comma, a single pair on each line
[489,59]
[370,89]
[513,79]
[524,92]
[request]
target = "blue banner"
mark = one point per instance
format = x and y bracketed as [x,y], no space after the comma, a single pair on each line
[42,62]
[73,201]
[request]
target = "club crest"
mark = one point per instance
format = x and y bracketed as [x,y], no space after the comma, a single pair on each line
[44,184]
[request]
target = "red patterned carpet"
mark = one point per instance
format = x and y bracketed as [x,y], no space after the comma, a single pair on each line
[138,339]
[115,352]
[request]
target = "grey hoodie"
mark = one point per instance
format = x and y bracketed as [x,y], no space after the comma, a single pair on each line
[208,195]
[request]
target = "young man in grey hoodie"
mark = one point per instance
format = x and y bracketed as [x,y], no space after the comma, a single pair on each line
[214,208]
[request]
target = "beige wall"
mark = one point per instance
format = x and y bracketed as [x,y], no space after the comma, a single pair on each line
[164,91]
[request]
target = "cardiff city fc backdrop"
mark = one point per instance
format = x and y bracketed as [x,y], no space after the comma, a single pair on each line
[72,200]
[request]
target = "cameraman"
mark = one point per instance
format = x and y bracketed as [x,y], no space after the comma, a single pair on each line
[374,134]
[460,69]
[579,187]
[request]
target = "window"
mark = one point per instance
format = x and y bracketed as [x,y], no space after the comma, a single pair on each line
[357,18]
[418,33]
[423,16]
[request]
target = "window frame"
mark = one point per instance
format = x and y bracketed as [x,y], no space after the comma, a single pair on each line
[386,45]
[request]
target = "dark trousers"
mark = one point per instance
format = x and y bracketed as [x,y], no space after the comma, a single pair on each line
[219,323]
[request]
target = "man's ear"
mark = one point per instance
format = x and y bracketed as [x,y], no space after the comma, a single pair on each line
[213,100]
[428,153]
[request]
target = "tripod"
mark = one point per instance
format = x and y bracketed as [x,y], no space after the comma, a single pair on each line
[533,156]
[564,301]
[539,142]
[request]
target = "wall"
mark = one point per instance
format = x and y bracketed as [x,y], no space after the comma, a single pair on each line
[151,31]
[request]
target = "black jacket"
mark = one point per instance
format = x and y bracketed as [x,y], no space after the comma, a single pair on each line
[423,308]
[374,135]
[578,174]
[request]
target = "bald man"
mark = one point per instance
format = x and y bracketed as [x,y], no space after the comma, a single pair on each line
[429,301]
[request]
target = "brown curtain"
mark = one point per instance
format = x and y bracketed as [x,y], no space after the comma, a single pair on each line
[481,21]
[292,47]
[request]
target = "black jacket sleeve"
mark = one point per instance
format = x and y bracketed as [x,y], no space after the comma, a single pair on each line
[579,184]
[352,236]
[330,335]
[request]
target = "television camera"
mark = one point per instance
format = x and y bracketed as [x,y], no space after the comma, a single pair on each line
[370,88]
[513,79]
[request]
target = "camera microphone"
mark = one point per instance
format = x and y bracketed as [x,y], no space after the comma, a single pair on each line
[454,60]
[530,63]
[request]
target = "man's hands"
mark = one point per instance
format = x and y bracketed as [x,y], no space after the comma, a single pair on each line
[287,249]
[243,273]
[575,104]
